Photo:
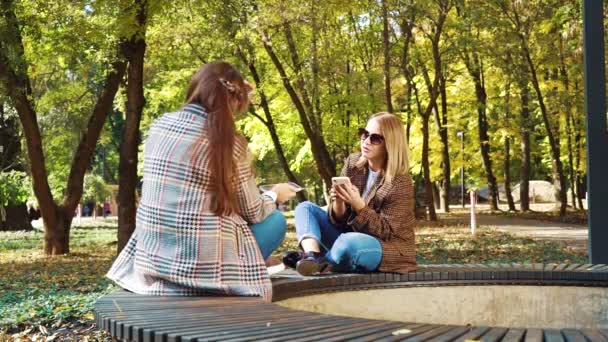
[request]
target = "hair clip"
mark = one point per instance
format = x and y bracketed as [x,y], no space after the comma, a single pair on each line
[229,86]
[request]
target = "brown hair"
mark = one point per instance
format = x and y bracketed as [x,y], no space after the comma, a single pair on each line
[223,92]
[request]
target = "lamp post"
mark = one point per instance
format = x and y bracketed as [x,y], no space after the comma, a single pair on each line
[460,134]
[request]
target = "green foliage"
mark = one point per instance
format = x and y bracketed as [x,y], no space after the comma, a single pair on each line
[59,292]
[14,188]
[95,189]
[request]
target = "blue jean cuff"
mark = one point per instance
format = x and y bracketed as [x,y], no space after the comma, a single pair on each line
[310,236]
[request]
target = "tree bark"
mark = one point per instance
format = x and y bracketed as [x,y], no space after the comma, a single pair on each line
[426,114]
[553,140]
[135,50]
[475,68]
[524,182]
[15,217]
[566,82]
[268,121]
[324,162]
[387,57]
[507,150]
[442,122]
[579,179]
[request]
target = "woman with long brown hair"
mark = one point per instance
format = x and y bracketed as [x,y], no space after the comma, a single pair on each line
[202,226]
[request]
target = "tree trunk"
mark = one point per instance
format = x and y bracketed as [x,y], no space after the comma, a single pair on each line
[580,180]
[507,150]
[568,109]
[57,218]
[445,153]
[10,143]
[524,182]
[269,121]
[387,58]
[57,241]
[15,217]
[428,185]
[324,162]
[553,141]
[475,69]
[127,180]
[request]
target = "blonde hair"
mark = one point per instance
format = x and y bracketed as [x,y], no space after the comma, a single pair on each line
[397,151]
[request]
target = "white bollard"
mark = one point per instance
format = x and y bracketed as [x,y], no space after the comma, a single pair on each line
[79,213]
[473,219]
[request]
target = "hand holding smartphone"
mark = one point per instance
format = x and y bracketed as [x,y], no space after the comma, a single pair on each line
[340,181]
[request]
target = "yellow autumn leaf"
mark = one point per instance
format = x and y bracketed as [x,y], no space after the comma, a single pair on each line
[60,308]
[88,316]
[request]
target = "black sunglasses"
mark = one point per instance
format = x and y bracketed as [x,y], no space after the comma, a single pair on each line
[375,139]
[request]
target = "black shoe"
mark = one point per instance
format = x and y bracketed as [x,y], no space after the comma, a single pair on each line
[290,259]
[313,264]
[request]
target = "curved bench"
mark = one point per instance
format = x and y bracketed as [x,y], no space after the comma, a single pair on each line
[148,318]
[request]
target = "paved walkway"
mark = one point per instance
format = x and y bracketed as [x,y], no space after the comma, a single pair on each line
[569,234]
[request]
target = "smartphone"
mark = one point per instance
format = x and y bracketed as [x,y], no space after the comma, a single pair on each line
[293,186]
[340,181]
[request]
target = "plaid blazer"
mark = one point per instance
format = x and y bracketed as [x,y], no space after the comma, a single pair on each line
[388,216]
[179,246]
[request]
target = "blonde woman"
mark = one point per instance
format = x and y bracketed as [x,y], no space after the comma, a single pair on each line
[369,223]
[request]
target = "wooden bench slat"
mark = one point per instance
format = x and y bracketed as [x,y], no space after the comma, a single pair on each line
[514,335]
[223,330]
[451,334]
[572,335]
[414,333]
[533,335]
[594,335]
[396,330]
[553,335]
[494,334]
[474,334]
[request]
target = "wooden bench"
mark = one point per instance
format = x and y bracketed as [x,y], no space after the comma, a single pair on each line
[148,318]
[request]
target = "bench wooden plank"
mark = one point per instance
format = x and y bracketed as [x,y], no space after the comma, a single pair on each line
[533,335]
[594,335]
[451,334]
[572,335]
[474,334]
[494,334]
[344,330]
[400,335]
[252,330]
[553,335]
[514,335]
[440,330]
[401,330]
[232,323]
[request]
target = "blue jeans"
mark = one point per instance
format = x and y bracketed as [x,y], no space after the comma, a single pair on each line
[270,233]
[351,251]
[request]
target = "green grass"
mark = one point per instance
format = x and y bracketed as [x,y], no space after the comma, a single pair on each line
[43,296]
[40,295]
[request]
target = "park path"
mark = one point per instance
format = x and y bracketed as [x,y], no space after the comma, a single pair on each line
[571,235]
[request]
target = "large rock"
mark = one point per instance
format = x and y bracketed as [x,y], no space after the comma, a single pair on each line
[540,192]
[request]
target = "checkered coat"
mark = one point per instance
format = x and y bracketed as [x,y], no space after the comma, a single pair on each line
[179,246]
[388,216]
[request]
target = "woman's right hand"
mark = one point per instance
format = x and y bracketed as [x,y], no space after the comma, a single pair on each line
[334,197]
[284,192]
[338,206]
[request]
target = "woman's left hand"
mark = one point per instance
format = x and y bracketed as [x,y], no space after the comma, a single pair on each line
[350,195]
